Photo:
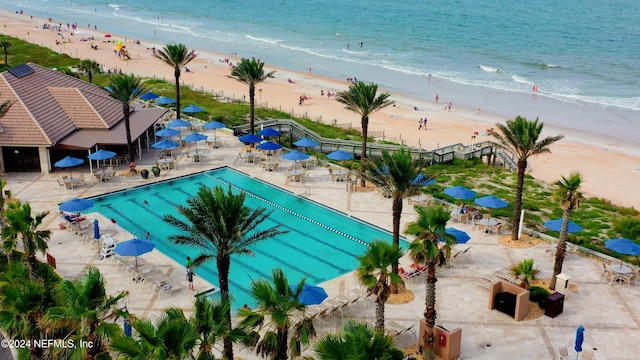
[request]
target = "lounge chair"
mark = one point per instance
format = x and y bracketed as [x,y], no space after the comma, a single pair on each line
[407,275]
[563,353]
[631,278]
[396,329]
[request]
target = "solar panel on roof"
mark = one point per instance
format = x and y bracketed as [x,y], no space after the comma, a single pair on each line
[21,70]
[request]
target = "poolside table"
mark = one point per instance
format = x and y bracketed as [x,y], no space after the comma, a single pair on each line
[621,269]
[165,163]
[250,156]
[297,174]
[103,173]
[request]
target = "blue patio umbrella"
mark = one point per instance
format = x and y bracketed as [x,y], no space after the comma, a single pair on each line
[195,137]
[179,123]
[96,229]
[623,246]
[310,294]
[192,109]
[295,155]
[167,132]
[306,142]
[579,339]
[149,96]
[460,192]
[556,225]
[340,155]
[163,100]
[165,144]
[134,247]
[250,138]
[269,132]
[76,205]
[269,145]
[461,236]
[102,155]
[68,162]
[214,125]
[422,180]
[491,202]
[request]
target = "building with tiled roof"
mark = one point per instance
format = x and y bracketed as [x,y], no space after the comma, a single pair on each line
[54,115]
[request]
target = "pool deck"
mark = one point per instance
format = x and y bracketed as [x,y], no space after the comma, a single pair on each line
[610,314]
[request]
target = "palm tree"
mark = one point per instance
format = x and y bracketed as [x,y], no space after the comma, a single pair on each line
[375,275]
[568,193]
[178,56]
[520,136]
[5,45]
[278,310]
[251,72]
[361,98]
[22,225]
[220,225]
[210,322]
[525,272]
[396,173]
[87,312]
[126,89]
[356,341]
[427,249]
[89,67]
[170,337]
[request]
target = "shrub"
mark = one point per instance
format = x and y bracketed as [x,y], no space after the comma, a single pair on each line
[628,227]
[539,295]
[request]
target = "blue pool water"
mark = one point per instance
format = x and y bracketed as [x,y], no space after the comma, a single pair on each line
[321,243]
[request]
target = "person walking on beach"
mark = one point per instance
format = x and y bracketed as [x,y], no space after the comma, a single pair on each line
[437,98]
[420,124]
[425,123]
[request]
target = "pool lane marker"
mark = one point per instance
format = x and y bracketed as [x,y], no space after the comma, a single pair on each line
[289,211]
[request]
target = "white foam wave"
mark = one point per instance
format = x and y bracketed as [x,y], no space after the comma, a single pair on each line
[338,34]
[266,40]
[115,6]
[489,69]
[520,79]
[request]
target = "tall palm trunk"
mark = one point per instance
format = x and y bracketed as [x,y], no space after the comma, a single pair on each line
[282,343]
[176,73]
[252,106]
[380,315]
[517,207]
[365,132]
[397,213]
[430,313]
[127,126]
[562,247]
[224,263]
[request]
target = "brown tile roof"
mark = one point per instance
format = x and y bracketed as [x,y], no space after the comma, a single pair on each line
[51,105]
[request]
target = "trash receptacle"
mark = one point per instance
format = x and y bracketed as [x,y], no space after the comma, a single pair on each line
[562,283]
[555,305]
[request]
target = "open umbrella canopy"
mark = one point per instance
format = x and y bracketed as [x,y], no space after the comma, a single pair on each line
[192,109]
[76,205]
[165,144]
[461,236]
[68,162]
[269,145]
[422,180]
[556,225]
[306,142]
[194,136]
[269,132]
[295,156]
[310,294]
[107,35]
[167,132]
[149,96]
[491,202]
[179,123]
[164,100]
[134,247]
[250,138]
[214,125]
[460,192]
[340,155]
[102,155]
[623,246]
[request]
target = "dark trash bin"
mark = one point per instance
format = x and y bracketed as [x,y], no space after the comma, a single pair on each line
[555,305]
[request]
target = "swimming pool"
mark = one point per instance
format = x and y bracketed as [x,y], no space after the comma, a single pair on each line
[321,243]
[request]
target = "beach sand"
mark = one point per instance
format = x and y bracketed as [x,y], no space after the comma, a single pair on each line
[610,168]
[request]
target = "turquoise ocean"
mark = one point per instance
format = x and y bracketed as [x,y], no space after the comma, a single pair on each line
[583,55]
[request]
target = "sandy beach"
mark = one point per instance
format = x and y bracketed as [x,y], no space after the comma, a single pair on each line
[611,168]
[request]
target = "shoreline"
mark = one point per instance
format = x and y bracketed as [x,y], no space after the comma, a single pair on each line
[610,166]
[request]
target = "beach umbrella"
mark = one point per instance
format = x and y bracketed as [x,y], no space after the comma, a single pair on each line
[149,96]
[491,202]
[167,132]
[250,138]
[556,225]
[134,247]
[461,236]
[96,229]
[195,137]
[422,180]
[192,109]
[102,155]
[296,156]
[164,100]
[76,205]
[310,294]
[460,192]
[107,35]
[269,132]
[214,125]
[340,155]
[306,142]
[269,145]
[68,162]
[165,144]
[579,339]
[623,246]
[179,123]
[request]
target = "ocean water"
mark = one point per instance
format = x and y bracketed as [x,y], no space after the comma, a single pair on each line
[583,55]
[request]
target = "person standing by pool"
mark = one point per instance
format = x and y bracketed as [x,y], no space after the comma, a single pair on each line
[190,276]
[189,263]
